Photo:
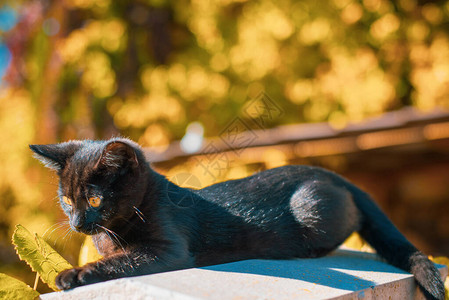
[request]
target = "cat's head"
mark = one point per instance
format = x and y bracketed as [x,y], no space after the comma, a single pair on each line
[100,182]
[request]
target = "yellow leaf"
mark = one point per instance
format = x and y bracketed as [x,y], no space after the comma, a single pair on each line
[39,255]
[11,288]
[88,252]
[442,260]
[355,241]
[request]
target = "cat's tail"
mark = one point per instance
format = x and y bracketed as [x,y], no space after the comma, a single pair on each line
[390,244]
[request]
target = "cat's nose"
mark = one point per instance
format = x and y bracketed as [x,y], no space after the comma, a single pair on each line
[77,225]
[77,221]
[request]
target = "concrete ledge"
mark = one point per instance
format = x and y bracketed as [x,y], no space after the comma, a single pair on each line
[344,274]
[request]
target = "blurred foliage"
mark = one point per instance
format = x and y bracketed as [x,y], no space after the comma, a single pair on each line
[11,288]
[146,69]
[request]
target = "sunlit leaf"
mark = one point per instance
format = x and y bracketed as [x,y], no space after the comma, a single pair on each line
[355,241]
[88,252]
[40,256]
[12,289]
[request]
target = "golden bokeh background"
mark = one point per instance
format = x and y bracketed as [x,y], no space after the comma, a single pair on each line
[92,69]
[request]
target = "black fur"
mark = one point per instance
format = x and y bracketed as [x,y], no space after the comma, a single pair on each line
[146,224]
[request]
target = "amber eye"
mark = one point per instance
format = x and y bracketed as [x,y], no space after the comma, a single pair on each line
[67,200]
[94,201]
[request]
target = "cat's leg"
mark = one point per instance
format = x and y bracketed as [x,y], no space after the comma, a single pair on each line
[133,263]
[326,214]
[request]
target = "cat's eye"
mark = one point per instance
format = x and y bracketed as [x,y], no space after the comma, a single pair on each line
[94,201]
[67,200]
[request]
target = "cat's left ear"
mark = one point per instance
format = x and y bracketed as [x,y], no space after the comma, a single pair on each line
[55,156]
[117,155]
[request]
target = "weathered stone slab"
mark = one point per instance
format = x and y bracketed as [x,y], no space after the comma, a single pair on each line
[343,275]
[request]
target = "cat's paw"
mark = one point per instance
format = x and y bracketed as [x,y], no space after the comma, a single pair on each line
[72,278]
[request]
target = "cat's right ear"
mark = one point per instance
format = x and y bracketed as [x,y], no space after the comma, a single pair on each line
[54,156]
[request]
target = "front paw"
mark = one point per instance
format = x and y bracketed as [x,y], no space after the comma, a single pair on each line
[72,278]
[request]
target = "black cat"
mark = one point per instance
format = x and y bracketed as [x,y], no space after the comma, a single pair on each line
[142,223]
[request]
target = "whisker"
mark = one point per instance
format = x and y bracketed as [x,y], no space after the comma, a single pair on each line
[140,214]
[116,236]
[96,232]
[58,225]
[55,227]
[113,233]
[62,235]
[68,234]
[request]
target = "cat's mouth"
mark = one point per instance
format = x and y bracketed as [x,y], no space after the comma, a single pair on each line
[89,229]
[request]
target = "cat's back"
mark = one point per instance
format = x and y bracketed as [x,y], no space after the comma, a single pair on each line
[256,212]
[266,188]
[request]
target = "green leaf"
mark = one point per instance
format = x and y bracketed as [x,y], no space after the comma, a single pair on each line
[39,255]
[11,288]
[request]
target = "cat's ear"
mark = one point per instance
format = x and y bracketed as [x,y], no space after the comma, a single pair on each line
[54,156]
[117,155]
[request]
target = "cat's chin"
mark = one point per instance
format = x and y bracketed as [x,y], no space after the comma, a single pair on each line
[88,232]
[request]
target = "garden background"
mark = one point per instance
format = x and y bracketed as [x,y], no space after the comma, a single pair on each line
[150,70]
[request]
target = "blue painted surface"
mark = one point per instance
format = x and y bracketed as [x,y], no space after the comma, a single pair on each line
[327,271]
